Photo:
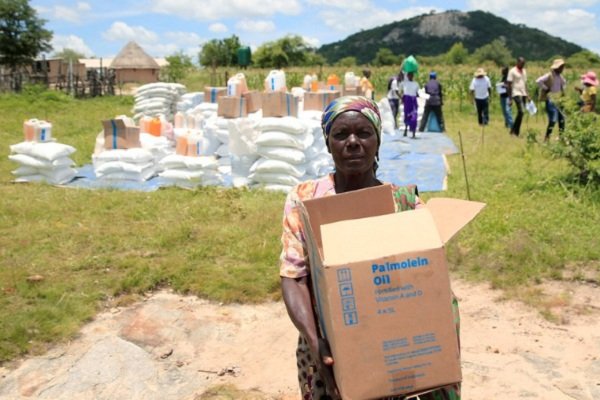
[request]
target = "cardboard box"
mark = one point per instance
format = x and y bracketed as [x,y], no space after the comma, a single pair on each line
[382,288]
[212,94]
[353,91]
[253,101]
[319,100]
[232,107]
[279,104]
[119,134]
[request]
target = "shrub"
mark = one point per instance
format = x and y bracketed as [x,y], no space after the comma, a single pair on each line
[580,143]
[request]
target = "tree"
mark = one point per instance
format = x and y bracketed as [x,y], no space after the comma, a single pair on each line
[457,54]
[313,58]
[179,65]
[495,51]
[213,54]
[289,50]
[68,55]
[22,34]
[385,56]
[347,62]
[220,52]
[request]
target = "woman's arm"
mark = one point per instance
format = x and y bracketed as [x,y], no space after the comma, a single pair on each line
[296,296]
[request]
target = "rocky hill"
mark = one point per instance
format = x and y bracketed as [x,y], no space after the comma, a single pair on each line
[433,34]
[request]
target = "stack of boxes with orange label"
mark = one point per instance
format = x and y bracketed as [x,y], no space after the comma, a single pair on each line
[322,94]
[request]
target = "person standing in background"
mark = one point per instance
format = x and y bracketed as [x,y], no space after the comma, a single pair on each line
[480,90]
[393,96]
[552,86]
[434,103]
[588,92]
[365,84]
[410,92]
[516,86]
[502,91]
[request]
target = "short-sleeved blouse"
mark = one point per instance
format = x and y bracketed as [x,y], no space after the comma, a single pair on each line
[294,257]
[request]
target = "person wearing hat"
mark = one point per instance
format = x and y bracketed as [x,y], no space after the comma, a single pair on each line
[552,87]
[516,87]
[480,90]
[588,92]
[434,103]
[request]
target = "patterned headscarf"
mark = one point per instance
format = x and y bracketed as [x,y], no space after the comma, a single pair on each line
[363,105]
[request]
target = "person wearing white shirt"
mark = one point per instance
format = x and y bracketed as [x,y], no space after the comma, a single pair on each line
[393,96]
[410,92]
[480,89]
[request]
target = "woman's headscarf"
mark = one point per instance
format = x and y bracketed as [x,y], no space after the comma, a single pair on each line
[363,105]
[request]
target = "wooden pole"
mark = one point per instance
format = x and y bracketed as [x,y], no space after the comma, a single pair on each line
[462,153]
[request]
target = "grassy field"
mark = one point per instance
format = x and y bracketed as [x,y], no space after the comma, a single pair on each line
[96,249]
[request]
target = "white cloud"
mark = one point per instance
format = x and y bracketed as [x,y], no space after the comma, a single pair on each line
[120,31]
[312,41]
[184,39]
[83,6]
[61,42]
[210,10]
[74,14]
[255,26]
[569,20]
[365,15]
[217,27]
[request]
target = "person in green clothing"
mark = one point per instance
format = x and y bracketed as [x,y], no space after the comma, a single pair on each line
[352,130]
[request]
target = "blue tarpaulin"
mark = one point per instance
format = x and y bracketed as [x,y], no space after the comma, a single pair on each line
[402,160]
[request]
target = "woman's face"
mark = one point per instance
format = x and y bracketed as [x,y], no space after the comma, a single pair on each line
[353,143]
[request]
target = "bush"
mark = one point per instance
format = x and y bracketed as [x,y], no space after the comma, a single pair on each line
[580,143]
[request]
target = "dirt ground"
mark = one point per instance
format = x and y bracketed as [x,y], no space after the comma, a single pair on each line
[175,347]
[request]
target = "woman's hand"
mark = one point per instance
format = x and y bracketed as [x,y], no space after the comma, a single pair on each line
[322,354]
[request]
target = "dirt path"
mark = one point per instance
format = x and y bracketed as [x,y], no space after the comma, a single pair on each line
[173,347]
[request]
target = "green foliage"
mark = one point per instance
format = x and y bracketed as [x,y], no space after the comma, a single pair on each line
[457,54]
[414,36]
[179,65]
[495,52]
[347,62]
[68,55]
[22,34]
[220,52]
[290,50]
[313,58]
[584,59]
[385,57]
[579,144]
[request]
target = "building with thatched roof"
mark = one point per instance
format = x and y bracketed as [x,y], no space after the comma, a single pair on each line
[133,64]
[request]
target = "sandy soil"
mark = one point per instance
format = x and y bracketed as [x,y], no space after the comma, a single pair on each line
[174,347]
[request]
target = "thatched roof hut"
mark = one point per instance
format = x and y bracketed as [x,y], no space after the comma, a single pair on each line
[133,64]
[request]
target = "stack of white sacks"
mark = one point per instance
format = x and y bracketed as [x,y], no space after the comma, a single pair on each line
[133,164]
[190,171]
[43,162]
[158,98]
[189,101]
[124,165]
[194,162]
[282,144]
[318,159]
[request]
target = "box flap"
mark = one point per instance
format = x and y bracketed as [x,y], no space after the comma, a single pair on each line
[363,239]
[451,215]
[373,201]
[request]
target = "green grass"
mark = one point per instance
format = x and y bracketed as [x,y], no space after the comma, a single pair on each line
[96,249]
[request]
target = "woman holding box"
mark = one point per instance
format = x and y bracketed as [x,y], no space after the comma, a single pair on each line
[352,130]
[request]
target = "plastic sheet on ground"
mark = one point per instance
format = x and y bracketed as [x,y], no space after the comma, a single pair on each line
[427,171]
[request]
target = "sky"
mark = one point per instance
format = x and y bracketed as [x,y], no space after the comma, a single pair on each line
[100,28]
